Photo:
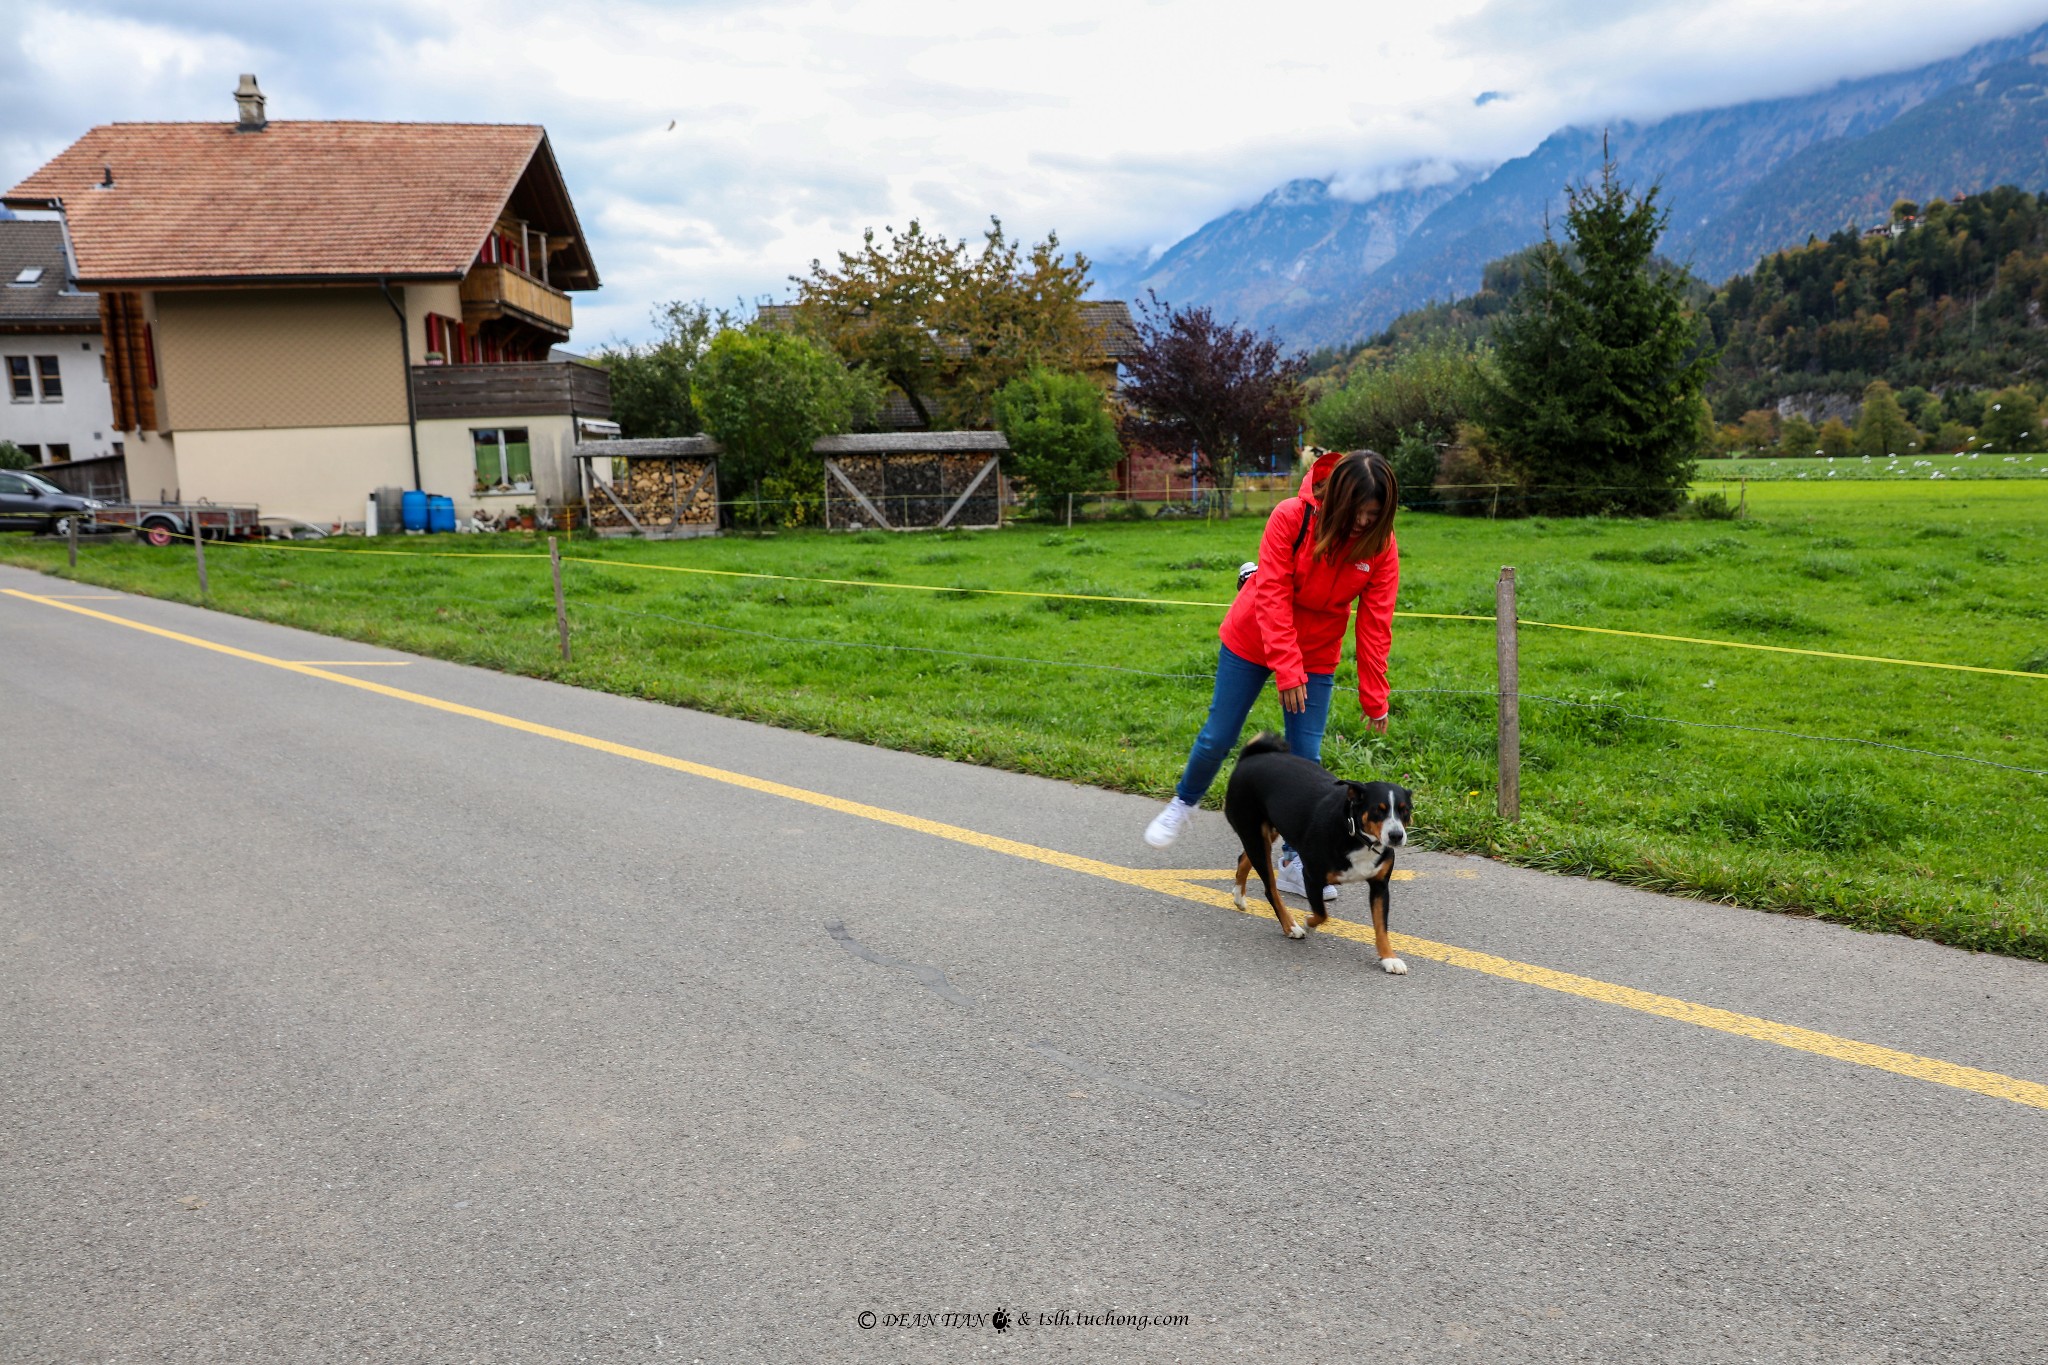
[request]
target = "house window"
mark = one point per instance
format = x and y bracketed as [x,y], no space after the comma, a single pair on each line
[28,275]
[444,338]
[52,382]
[33,452]
[20,387]
[60,452]
[504,460]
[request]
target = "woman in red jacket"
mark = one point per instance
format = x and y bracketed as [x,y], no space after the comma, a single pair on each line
[1322,551]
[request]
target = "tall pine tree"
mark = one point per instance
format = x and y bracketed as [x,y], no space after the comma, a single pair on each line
[1596,398]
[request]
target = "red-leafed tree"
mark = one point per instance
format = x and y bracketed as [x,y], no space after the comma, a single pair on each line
[1215,390]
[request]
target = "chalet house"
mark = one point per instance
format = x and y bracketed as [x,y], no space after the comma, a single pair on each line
[296,313]
[51,360]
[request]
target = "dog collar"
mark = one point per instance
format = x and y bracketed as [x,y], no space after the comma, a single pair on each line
[1374,844]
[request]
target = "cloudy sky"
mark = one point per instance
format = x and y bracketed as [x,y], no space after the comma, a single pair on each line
[796,123]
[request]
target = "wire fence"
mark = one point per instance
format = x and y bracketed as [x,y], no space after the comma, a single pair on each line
[1506,694]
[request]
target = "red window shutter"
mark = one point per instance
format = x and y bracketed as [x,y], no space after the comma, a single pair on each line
[149,352]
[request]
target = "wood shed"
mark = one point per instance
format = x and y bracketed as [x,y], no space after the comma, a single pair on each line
[662,489]
[913,480]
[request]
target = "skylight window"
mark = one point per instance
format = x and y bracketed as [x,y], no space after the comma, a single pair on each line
[29,275]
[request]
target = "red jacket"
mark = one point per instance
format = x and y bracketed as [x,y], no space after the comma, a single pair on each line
[1291,616]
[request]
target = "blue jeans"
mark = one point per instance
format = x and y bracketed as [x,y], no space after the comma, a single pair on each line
[1238,684]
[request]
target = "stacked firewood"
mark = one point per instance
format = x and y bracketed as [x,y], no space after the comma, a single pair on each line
[910,490]
[649,489]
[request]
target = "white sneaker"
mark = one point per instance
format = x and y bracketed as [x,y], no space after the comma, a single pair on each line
[1168,824]
[1288,873]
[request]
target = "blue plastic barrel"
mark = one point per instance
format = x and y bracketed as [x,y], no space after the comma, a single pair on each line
[412,510]
[440,514]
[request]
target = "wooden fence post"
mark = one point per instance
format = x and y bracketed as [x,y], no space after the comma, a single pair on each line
[1510,695]
[198,549]
[561,607]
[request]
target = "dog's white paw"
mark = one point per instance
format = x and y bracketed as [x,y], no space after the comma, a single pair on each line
[1393,966]
[1237,895]
[1298,931]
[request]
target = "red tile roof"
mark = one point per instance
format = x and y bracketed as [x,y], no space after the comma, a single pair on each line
[296,200]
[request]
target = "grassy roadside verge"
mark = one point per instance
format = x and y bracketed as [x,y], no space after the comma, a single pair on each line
[1110,693]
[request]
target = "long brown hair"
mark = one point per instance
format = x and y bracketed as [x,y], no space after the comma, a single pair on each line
[1360,477]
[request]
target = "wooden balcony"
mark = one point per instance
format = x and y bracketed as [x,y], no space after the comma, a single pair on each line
[490,291]
[547,388]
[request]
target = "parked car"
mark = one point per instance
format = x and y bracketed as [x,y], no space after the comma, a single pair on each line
[29,503]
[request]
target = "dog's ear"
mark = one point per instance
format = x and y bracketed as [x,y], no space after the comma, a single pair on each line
[1355,793]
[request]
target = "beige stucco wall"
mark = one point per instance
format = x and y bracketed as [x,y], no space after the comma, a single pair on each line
[152,464]
[242,359]
[448,461]
[319,474]
[422,299]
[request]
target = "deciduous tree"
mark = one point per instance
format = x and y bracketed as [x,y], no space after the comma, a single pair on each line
[768,395]
[1796,437]
[2012,422]
[1215,390]
[946,325]
[1062,440]
[1882,428]
[651,382]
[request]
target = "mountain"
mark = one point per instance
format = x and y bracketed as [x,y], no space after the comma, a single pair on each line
[1990,131]
[1739,181]
[1285,254]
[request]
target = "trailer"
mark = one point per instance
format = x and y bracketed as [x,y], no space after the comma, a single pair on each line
[166,523]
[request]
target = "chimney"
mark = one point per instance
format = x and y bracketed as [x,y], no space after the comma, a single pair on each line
[249,106]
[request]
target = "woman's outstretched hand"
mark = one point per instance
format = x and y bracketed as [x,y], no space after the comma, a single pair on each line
[1378,727]
[1294,700]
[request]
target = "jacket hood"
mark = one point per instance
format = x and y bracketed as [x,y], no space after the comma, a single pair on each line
[1317,472]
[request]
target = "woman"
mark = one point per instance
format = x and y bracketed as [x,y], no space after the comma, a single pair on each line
[1322,551]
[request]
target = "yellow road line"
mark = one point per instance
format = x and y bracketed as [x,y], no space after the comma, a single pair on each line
[1230,874]
[351,663]
[1180,885]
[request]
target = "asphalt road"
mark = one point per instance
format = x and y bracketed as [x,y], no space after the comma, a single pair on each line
[337,1027]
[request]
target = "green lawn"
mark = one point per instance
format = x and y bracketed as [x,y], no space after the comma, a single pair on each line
[1918,466]
[1111,693]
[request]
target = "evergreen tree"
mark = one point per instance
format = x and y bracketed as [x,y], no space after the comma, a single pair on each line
[1599,364]
[1882,428]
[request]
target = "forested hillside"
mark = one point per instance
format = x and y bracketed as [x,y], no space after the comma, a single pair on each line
[1956,299]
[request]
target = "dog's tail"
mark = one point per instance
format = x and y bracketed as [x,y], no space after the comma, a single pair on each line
[1264,742]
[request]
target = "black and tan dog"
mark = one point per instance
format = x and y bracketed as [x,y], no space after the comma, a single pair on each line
[1344,832]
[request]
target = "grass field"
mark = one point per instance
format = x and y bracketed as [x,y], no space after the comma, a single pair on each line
[1110,693]
[1982,465]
